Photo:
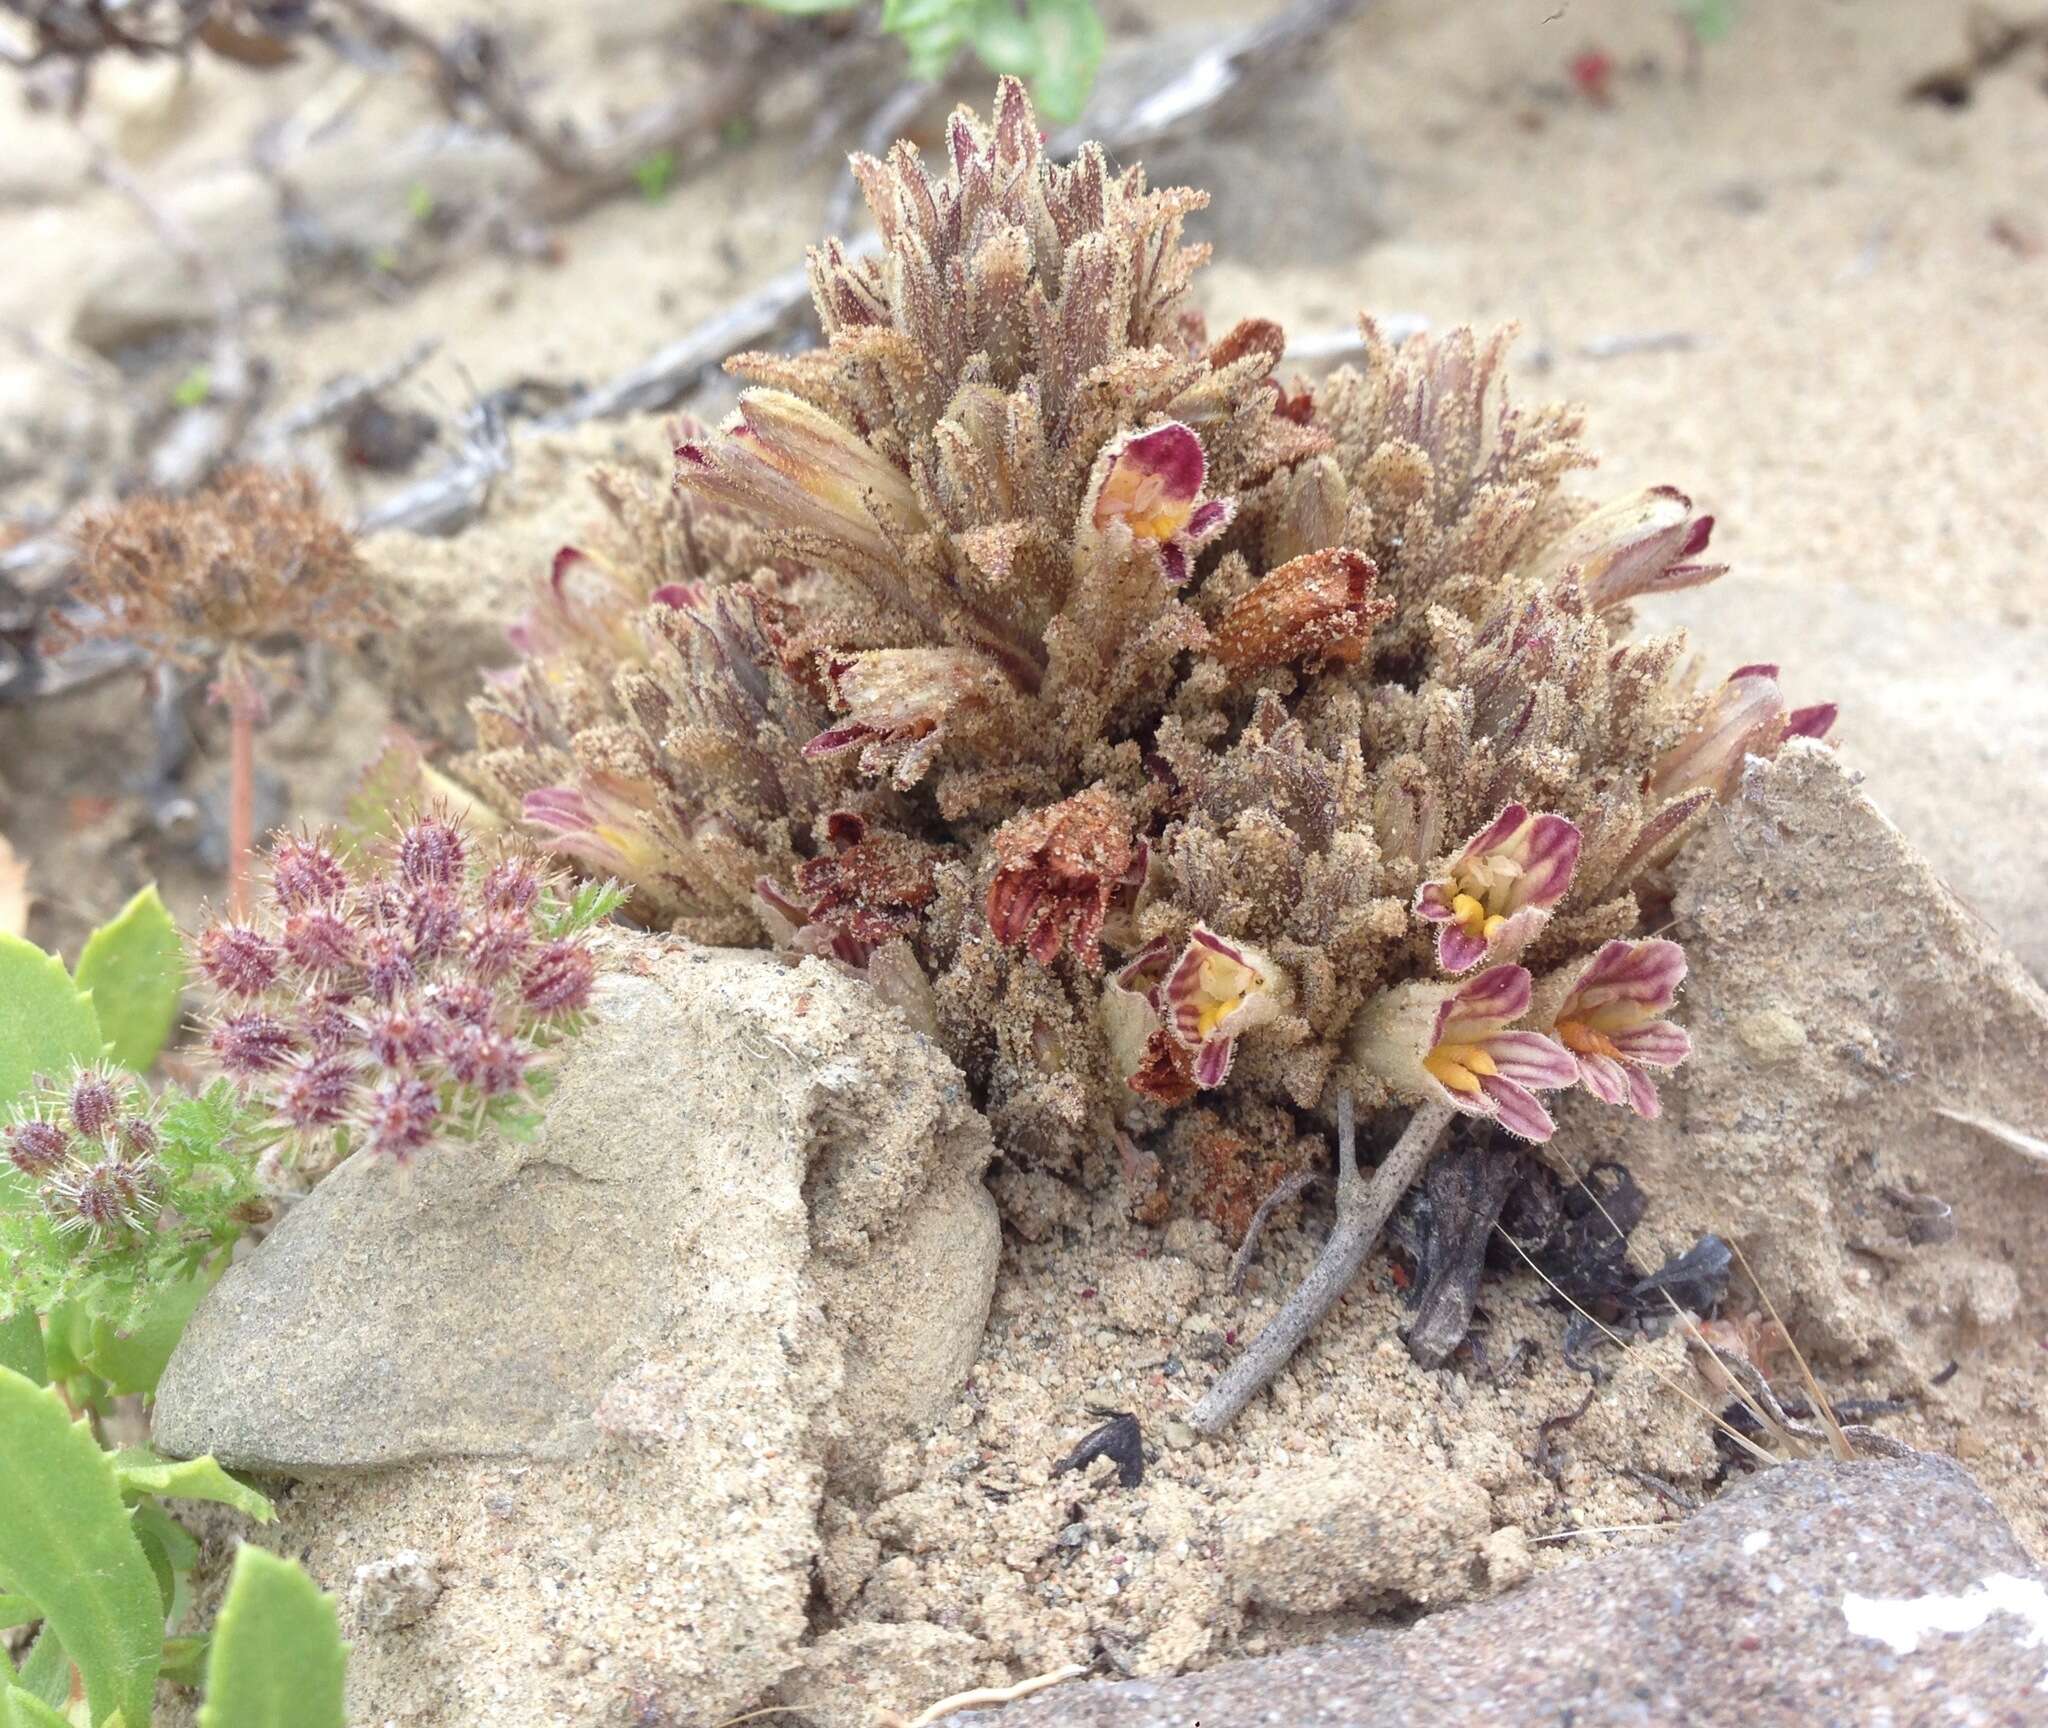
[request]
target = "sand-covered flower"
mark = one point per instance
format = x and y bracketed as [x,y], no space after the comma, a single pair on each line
[1747,716]
[899,704]
[1147,492]
[1610,1017]
[1457,1044]
[1057,872]
[1646,543]
[1314,611]
[1499,890]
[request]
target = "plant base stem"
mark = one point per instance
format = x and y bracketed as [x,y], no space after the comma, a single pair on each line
[1364,1204]
[243,705]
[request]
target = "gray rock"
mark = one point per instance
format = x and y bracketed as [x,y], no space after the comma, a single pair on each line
[735,1141]
[1813,1595]
[603,1378]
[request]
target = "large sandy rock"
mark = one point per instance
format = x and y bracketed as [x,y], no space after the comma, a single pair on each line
[598,1382]
[1815,1593]
[1841,1002]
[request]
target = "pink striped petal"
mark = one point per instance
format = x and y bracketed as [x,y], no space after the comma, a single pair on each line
[1496,833]
[1482,1004]
[1811,722]
[1517,1110]
[1551,853]
[1642,1095]
[1433,902]
[1457,950]
[1532,1060]
[1659,1043]
[1647,973]
[1212,1061]
[1605,1078]
[1512,939]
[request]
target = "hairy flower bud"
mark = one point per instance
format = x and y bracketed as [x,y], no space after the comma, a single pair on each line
[238,961]
[95,1103]
[321,944]
[305,872]
[431,854]
[251,1043]
[35,1146]
[399,1118]
[558,979]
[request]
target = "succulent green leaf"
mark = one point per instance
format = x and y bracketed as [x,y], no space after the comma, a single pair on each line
[134,967]
[18,1611]
[46,1023]
[46,1670]
[19,1709]
[21,1347]
[277,1657]
[65,1543]
[132,1358]
[185,1660]
[139,1471]
[152,1522]
[931,31]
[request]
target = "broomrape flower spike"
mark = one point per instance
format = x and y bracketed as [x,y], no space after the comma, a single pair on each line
[1747,716]
[1499,890]
[1610,1019]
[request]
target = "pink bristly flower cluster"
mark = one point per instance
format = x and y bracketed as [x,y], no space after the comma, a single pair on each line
[395,1001]
[89,1149]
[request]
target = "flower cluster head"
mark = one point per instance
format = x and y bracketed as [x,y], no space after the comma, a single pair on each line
[387,1002]
[1118,706]
[88,1148]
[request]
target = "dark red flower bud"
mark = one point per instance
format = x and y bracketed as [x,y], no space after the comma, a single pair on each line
[95,1103]
[488,1061]
[559,979]
[139,1137]
[317,1093]
[498,944]
[399,1039]
[462,1004]
[305,873]
[37,1147]
[400,1118]
[327,1025]
[431,854]
[251,1043]
[512,886]
[238,961]
[322,944]
[433,919]
[388,969]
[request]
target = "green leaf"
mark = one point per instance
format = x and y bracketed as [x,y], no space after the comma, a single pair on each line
[46,1025]
[134,967]
[1070,42]
[65,1543]
[18,1611]
[19,1709]
[277,1657]
[139,1471]
[185,1660]
[46,1671]
[192,389]
[132,1358]
[180,1547]
[931,31]
[21,1347]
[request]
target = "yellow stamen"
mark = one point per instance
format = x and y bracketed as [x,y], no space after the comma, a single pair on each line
[1491,928]
[1577,1035]
[1459,1066]
[1470,914]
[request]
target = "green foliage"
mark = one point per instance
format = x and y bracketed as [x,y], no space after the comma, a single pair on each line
[1709,20]
[47,1025]
[128,1295]
[655,174]
[139,1471]
[277,1658]
[133,966]
[399,778]
[66,1544]
[192,390]
[19,1709]
[591,904]
[21,1346]
[1055,45]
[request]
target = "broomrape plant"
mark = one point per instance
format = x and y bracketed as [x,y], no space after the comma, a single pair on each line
[1174,742]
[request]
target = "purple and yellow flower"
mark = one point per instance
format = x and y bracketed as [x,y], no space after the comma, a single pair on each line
[1147,492]
[598,823]
[1213,994]
[1499,891]
[1746,717]
[1457,1044]
[1646,543]
[1610,1019]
